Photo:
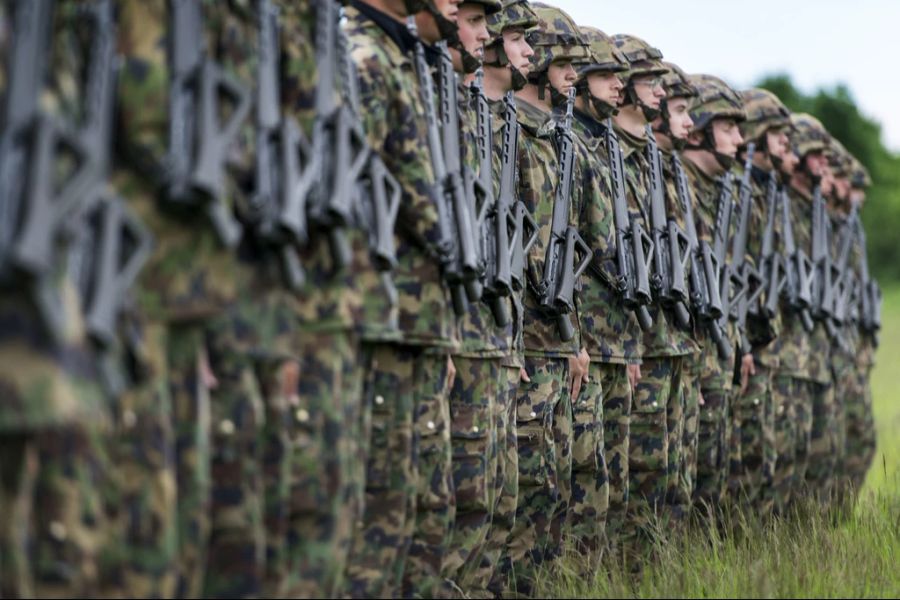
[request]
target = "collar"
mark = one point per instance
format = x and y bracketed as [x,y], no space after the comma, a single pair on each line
[594,127]
[533,120]
[397,31]
[629,143]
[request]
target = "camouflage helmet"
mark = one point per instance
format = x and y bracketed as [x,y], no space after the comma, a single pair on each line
[859,176]
[715,100]
[555,38]
[809,134]
[643,59]
[605,56]
[676,82]
[764,111]
[490,6]
[512,13]
[839,159]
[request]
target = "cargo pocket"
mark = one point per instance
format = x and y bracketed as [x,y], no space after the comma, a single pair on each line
[379,462]
[587,431]
[434,454]
[470,435]
[649,444]
[532,428]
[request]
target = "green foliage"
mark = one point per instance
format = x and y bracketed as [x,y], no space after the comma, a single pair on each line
[813,554]
[861,135]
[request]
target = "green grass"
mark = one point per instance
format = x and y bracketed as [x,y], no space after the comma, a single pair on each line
[814,554]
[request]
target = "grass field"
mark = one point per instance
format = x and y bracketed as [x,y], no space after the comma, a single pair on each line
[811,555]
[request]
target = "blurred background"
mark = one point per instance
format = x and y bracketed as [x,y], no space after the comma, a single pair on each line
[835,59]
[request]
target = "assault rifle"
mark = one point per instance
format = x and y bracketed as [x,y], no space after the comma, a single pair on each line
[567,255]
[798,271]
[498,233]
[525,230]
[771,263]
[448,194]
[823,289]
[721,236]
[669,241]
[468,212]
[747,280]
[870,292]
[704,271]
[199,139]
[634,248]
[846,282]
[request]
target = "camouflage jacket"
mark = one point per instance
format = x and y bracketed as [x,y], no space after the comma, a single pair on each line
[610,332]
[480,334]
[716,373]
[818,369]
[664,338]
[46,380]
[844,354]
[538,178]
[394,120]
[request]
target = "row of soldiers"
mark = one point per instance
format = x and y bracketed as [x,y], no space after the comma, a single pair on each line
[402,298]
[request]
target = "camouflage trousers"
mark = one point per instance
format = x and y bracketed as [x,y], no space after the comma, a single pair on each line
[473,431]
[617,398]
[543,421]
[655,413]
[787,394]
[435,504]
[485,578]
[803,417]
[381,536]
[824,442]
[585,526]
[712,447]
[139,483]
[860,429]
[753,464]
[681,492]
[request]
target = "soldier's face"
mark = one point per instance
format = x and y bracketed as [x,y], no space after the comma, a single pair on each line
[517,49]
[428,28]
[789,162]
[649,89]
[727,136]
[562,76]
[605,86]
[777,142]
[816,163]
[473,31]
[842,188]
[680,122]
[827,180]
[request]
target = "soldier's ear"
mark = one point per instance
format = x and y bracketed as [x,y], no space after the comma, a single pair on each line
[695,138]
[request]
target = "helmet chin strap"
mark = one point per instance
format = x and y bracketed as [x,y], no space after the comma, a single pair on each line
[518,80]
[632,97]
[709,145]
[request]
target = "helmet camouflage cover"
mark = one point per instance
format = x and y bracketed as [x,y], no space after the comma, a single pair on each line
[715,100]
[809,134]
[764,111]
[839,159]
[859,176]
[643,59]
[513,13]
[676,82]
[490,6]
[556,38]
[604,54]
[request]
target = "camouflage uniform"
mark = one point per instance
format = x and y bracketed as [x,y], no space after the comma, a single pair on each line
[409,482]
[815,466]
[716,100]
[658,395]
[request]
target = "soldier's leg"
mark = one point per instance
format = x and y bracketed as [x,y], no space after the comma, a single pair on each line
[189,388]
[538,490]
[18,472]
[712,448]
[752,422]
[675,418]
[860,432]
[472,409]
[822,444]
[803,413]
[487,580]
[314,548]
[778,493]
[139,559]
[617,398]
[435,503]
[688,467]
[649,447]
[379,545]
[586,522]
[562,442]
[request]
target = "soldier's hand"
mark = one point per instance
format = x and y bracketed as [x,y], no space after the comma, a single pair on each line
[747,369]
[578,372]
[451,372]
[634,376]
[289,381]
[700,398]
[523,375]
[204,370]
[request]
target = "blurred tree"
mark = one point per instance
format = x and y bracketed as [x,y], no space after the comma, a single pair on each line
[861,135]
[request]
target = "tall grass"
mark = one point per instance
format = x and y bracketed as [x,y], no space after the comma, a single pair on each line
[815,553]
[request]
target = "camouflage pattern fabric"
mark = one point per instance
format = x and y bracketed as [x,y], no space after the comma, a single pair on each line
[803,417]
[823,443]
[755,425]
[787,394]
[681,497]
[617,403]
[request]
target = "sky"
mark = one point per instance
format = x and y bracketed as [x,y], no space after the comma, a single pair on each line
[818,43]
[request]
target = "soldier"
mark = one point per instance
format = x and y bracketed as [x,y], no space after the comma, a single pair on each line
[54,413]
[611,332]
[767,126]
[815,444]
[477,385]
[409,380]
[709,154]
[556,368]
[671,129]
[506,66]
[658,395]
